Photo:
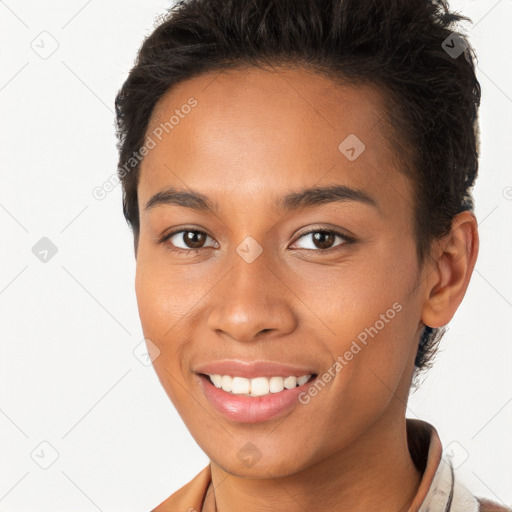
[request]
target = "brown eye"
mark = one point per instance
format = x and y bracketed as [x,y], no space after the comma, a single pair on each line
[324,239]
[187,240]
[193,239]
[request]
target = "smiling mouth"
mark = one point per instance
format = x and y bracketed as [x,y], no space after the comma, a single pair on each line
[257,386]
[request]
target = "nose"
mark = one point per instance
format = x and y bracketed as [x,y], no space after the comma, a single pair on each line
[251,301]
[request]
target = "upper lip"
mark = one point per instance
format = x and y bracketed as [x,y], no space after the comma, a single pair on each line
[251,369]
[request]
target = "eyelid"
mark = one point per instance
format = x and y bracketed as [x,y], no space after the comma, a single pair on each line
[347,239]
[185,229]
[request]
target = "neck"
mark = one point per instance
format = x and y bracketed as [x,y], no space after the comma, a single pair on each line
[375,472]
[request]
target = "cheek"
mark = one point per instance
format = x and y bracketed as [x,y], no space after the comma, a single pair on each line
[169,299]
[370,372]
[164,295]
[158,307]
[354,297]
[150,301]
[374,319]
[159,312]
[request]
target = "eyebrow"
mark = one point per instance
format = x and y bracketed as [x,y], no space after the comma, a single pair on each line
[305,198]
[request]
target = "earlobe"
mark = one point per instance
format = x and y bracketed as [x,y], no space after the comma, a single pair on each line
[447,282]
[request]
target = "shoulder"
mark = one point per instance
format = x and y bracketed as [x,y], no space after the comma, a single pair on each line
[190,497]
[487,505]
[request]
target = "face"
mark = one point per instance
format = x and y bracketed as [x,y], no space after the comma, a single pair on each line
[248,275]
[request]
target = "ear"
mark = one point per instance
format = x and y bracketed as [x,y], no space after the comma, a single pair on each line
[454,259]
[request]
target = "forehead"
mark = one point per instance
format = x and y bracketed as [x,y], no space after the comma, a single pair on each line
[253,132]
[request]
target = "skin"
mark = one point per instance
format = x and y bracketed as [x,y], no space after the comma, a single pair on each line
[255,136]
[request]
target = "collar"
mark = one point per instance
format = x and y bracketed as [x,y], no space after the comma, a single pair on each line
[438,491]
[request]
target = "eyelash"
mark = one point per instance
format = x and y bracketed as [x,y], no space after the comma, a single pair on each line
[346,240]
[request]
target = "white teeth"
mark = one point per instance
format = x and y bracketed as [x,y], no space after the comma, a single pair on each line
[241,386]
[302,380]
[290,382]
[226,382]
[259,386]
[276,384]
[217,380]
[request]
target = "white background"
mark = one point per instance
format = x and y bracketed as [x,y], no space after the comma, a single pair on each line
[68,375]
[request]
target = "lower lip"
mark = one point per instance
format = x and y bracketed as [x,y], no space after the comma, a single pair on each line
[246,409]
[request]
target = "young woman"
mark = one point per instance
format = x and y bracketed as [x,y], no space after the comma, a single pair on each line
[298,178]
